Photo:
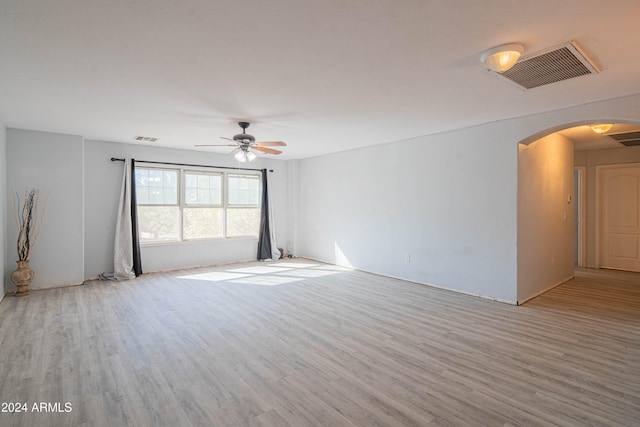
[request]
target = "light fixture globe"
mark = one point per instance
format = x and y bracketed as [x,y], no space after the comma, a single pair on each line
[501,58]
[601,128]
[244,155]
[241,156]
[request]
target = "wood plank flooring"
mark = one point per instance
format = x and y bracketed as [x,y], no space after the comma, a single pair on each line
[300,343]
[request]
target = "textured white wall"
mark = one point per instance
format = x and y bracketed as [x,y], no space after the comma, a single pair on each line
[52,163]
[446,201]
[545,215]
[102,191]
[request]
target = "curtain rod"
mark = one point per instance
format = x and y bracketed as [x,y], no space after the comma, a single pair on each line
[114,159]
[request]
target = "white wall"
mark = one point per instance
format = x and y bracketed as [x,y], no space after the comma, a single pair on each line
[3,203]
[293,197]
[102,189]
[447,201]
[53,164]
[83,186]
[591,159]
[545,215]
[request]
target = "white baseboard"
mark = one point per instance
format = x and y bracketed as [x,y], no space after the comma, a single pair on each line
[501,300]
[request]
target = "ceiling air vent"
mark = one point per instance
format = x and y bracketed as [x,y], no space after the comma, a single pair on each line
[553,65]
[628,138]
[145,138]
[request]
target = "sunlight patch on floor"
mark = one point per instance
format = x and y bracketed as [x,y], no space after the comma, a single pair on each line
[273,274]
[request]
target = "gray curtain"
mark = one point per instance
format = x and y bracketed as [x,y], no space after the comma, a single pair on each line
[267,247]
[126,249]
[135,241]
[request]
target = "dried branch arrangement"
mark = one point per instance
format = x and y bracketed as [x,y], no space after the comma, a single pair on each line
[28,221]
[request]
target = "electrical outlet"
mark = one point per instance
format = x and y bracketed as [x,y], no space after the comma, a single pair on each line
[407,258]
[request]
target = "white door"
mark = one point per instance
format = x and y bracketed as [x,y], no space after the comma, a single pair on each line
[620,218]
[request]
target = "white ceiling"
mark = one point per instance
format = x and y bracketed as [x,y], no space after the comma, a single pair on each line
[324,76]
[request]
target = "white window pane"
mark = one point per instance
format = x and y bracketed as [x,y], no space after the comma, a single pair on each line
[216,196]
[243,222]
[244,190]
[142,195]
[202,223]
[155,178]
[157,186]
[191,180]
[158,223]
[170,179]
[191,195]
[203,189]
[215,189]
[155,195]
[142,177]
[170,196]
[203,196]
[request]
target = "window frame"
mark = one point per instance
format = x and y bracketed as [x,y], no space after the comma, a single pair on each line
[184,205]
[176,204]
[228,206]
[182,171]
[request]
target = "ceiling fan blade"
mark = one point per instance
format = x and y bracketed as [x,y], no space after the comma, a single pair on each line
[267,150]
[271,144]
[215,145]
[230,139]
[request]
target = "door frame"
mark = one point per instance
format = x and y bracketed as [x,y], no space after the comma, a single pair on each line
[582,214]
[598,215]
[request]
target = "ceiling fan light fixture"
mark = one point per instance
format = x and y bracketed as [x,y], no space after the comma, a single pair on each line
[243,142]
[601,128]
[501,58]
[244,156]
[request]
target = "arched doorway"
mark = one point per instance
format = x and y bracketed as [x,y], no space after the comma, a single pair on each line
[558,217]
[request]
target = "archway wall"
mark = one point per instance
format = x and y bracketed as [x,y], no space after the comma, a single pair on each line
[545,215]
[438,209]
[545,182]
[619,110]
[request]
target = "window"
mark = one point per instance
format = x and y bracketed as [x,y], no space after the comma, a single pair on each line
[158,208]
[177,204]
[243,209]
[203,211]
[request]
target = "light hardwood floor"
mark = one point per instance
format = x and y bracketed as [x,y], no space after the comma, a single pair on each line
[301,343]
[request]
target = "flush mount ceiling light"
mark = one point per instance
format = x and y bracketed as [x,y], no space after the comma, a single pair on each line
[500,58]
[601,128]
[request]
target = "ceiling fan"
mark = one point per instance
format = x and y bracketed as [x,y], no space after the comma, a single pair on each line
[245,142]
